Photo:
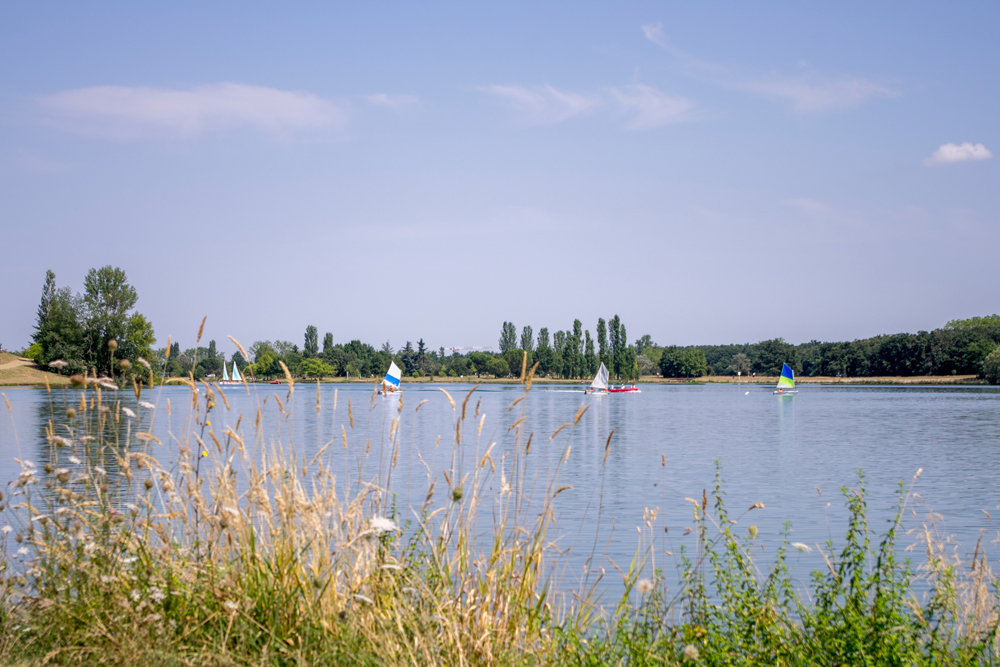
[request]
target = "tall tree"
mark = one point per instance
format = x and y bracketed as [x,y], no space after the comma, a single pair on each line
[48,293]
[614,345]
[589,358]
[421,347]
[387,347]
[602,341]
[527,340]
[107,299]
[543,352]
[559,353]
[508,337]
[311,345]
[327,343]
[61,335]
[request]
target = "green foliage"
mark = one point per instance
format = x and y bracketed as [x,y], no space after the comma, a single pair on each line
[527,339]
[991,366]
[315,368]
[989,321]
[33,351]
[497,367]
[676,362]
[508,337]
[861,610]
[514,359]
[311,345]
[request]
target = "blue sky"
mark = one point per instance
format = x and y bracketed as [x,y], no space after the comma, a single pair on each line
[710,172]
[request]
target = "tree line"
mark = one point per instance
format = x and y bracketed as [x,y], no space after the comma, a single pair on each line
[100,332]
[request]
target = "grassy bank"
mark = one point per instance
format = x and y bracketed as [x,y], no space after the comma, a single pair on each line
[17,371]
[241,553]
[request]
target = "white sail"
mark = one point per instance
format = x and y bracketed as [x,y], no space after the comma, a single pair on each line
[392,375]
[225,374]
[601,379]
[236,374]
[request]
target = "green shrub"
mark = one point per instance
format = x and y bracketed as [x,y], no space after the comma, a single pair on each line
[991,366]
[32,351]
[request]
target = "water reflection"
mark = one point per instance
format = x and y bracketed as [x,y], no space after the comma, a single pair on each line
[663,449]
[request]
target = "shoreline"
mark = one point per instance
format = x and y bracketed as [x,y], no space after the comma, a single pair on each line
[964,380]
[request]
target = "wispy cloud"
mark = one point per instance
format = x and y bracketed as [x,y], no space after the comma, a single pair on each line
[950,153]
[543,105]
[815,93]
[812,92]
[650,107]
[136,111]
[395,102]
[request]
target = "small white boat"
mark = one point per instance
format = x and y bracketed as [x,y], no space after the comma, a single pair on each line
[786,383]
[599,387]
[236,375]
[390,383]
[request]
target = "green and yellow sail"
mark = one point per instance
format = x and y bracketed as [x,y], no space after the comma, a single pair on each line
[787,379]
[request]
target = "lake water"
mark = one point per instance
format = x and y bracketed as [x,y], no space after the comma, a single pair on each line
[774,450]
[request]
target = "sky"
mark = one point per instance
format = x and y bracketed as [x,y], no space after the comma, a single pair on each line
[710,172]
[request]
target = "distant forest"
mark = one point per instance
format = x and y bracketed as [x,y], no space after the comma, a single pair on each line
[99,331]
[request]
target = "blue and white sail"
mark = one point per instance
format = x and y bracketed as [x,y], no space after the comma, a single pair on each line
[225,373]
[392,376]
[236,374]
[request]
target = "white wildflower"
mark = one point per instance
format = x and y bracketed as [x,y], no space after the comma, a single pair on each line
[802,547]
[128,412]
[156,595]
[29,464]
[23,551]
[100,471]
[136,596]
[6,529]
[380,525]
[105,579]
[390,566]
[59,440]
[132,506]
[129,560]
[690,652]
[33,572]
[644,586]
[231,605]
[40,517]
[86,438]
[143,362]
[75,460]
[147,405]
[62,510]
[57,364]
[358,596]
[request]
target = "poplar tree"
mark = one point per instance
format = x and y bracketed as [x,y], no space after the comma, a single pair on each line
[614,353]
[527,341]
[508,337]
[589,360]
[602,341]
[311,345]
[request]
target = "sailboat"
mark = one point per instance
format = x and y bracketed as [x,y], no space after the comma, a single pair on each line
[599,387]
[236,375]
[390,383]
[786,383]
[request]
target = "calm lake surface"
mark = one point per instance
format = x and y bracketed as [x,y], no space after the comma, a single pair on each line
[774,450]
